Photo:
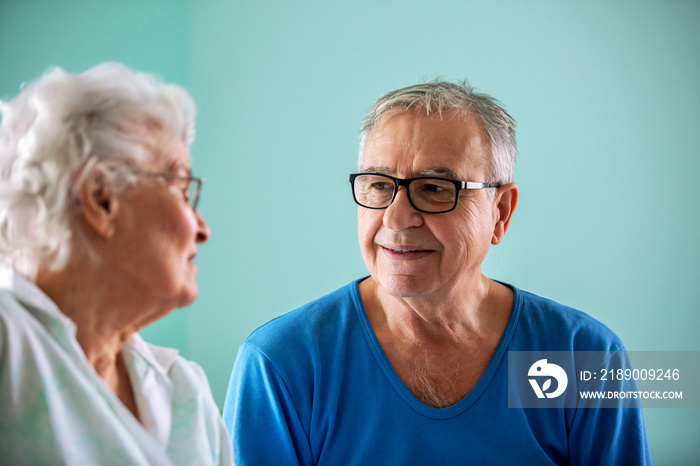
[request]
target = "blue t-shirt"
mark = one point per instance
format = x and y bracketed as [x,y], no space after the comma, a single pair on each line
[314,387]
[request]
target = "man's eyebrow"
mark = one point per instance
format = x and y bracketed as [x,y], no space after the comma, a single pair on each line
[380,170]
[442,172]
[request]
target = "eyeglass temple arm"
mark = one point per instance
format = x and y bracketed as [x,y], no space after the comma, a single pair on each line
[478,185]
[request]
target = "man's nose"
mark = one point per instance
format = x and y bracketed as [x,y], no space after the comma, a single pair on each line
[401,215]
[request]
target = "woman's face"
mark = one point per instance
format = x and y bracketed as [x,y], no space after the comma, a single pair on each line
[158,232]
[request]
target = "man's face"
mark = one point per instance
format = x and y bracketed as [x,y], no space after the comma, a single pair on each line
[416,254]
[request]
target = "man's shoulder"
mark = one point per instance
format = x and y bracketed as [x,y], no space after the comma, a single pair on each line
[562,326]
[315,320]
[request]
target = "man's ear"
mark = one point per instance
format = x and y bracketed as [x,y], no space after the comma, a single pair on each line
[98,203]
[505,202]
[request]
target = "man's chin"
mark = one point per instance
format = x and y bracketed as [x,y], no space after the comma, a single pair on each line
[403,286]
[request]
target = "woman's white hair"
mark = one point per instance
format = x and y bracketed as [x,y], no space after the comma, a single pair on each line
[438,96]
[56,130]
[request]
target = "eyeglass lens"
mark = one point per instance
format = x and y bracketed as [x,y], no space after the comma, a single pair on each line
[193,189]
[428,194]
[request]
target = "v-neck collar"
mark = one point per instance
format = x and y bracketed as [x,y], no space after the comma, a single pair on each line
[400,387]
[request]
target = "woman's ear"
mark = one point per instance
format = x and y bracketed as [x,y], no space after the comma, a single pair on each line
[98,203]
[505,202]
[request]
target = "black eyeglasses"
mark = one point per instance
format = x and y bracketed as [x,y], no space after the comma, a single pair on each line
[192,190]
[426,194]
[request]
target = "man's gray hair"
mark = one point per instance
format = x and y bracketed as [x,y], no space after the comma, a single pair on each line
[438,96]
[56,130]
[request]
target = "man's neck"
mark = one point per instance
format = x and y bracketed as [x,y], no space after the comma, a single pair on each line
[456,315]
[439,351]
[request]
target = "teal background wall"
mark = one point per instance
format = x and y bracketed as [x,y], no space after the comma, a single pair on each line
[606,94]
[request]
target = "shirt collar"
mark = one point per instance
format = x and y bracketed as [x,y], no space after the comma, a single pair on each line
[36,302]
[149,368]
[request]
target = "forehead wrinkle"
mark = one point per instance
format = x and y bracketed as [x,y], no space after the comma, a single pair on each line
[170,153]
[403,138]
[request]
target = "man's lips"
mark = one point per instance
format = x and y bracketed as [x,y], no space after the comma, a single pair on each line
[405,252]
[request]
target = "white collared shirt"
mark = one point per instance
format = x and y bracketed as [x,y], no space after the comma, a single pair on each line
[55,409]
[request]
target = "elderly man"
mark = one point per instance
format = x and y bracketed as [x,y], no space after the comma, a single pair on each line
[409,365]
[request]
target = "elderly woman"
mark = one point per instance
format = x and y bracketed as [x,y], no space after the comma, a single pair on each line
[98,231]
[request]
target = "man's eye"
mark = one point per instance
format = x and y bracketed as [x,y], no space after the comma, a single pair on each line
[381,186]
[433,188]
